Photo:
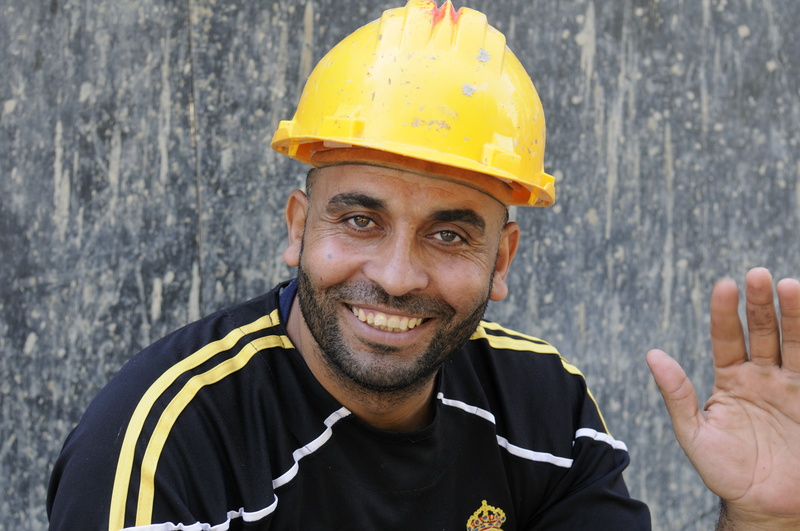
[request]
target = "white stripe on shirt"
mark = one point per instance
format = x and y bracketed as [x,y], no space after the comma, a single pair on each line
[310,448]
[524,453]
[198,526]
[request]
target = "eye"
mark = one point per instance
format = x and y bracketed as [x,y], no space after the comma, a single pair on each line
[448,236]
[361,222]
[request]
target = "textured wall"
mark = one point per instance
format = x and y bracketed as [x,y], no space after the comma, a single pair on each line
[137,192]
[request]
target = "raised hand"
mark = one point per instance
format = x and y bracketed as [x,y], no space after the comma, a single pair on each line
[745,443]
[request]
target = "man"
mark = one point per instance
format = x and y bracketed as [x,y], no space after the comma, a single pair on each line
[368,393]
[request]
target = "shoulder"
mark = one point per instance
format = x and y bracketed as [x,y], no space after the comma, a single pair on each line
[190,397]
[214,337]
[195,356]
[510,352]
[201,355]
[523,381]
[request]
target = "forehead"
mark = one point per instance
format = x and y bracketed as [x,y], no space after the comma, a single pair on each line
[398,188]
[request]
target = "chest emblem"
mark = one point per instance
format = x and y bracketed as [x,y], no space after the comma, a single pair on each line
[487,518]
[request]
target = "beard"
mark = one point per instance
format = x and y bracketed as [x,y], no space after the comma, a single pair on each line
[378,370]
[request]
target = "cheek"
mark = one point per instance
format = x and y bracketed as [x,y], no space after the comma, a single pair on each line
[464,282]
[330,253]
[328,262]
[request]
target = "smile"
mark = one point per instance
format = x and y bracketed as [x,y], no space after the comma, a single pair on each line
[386,322]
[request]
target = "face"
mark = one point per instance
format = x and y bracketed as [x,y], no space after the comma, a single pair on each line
[395,271]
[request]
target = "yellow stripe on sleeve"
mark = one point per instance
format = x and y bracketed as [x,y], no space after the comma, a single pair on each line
[521,343]
[144,509]
[526,343]
[119,495]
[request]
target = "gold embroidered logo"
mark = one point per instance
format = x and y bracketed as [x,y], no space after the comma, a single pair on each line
[486,518]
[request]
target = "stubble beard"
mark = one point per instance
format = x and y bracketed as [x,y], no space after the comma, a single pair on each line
[374,373]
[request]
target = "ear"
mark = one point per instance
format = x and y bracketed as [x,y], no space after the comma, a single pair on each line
[509,241]
[296,213]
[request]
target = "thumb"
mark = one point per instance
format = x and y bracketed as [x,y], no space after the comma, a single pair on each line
[678,393]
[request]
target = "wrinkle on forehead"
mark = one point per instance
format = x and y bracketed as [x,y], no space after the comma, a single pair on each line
[376,172]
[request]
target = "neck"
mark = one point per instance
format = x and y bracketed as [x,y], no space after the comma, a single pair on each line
[401,410]
[396,411]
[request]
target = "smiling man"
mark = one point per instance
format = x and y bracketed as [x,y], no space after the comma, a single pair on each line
[368,393]
[395,271]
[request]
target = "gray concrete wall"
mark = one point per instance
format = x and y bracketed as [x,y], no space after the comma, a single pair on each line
[138,192]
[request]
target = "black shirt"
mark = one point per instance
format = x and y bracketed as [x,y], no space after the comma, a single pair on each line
[221,425]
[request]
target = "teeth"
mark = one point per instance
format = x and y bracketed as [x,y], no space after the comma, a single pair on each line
[389,323]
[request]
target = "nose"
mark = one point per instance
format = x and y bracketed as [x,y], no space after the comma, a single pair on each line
[398,265]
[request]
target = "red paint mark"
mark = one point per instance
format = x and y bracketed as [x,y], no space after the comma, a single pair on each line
[447,9]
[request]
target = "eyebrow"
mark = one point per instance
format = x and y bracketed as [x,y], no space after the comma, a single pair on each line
[463,215]
[345,200]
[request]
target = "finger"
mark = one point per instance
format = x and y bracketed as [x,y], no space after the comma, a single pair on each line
[727,336]
[762,319]
[789,298]
[678,394]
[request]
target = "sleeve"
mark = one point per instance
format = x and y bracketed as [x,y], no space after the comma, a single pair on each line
[82,480]
[164,444]
[592,494]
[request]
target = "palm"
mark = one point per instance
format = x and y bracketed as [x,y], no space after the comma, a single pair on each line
[746,443]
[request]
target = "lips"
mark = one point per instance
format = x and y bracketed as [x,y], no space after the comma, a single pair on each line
[384,321]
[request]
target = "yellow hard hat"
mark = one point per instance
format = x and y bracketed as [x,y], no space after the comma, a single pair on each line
[427,84]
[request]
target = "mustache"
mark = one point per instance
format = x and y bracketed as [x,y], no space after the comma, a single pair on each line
[371,294]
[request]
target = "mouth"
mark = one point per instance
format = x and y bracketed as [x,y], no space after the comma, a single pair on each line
[385,321]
